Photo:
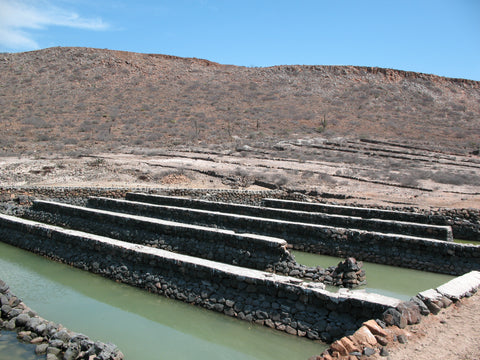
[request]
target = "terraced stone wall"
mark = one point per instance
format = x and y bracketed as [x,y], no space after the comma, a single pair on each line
[392,249]
[355,222]
[465,223]
[275,301]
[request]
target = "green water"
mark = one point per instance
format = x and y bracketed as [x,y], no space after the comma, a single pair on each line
[387,280]
[144,326]
[469,242]
[10,348]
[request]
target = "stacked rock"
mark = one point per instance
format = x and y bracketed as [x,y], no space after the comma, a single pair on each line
[348,273]
[51,340]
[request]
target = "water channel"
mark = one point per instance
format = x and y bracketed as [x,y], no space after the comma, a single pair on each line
[400,283]
[144,326]
[147,326]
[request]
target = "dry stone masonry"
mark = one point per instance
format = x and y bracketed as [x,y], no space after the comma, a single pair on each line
[52,340]
[312,217]
[252,251]
[280,302]
[233,258]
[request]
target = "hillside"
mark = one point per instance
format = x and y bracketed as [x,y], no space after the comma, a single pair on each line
[68,99]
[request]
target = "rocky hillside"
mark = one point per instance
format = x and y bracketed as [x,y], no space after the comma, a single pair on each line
[65,99]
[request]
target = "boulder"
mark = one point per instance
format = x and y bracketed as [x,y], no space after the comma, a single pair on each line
[394,317]
[421,305]
[363,336]
[410,311]
[41,349]
[374,328]
[22,319]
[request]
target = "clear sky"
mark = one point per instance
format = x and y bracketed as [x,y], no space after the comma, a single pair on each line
[441,37]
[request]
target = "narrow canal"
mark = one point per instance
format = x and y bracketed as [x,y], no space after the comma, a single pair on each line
[144,326]
[147,326]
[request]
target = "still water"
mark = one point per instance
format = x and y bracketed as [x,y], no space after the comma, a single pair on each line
[387,280]
[144,326]
[10,348]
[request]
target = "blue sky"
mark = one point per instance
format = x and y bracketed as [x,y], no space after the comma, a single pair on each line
[440,37]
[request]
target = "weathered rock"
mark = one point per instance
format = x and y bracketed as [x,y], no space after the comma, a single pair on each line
[3,287]
[349,345]
[337,346]
[446,302]
[410,311]
[421,305]
[53,350]
[374,328]
[394,317]
[37,340]
[382,340]
[363,336]
[402,339]
[72,352]
[10,325]
[62,335]
[384,352]
[56,343]
[32,323]
[22,319]
[41,349]
[432,307]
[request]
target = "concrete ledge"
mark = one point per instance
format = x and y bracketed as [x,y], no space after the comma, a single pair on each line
[378,225]
[460,286]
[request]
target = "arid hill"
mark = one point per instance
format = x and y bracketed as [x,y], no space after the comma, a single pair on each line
[65,99]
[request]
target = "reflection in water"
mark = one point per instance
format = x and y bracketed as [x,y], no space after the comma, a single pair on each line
[387,280]
[10,348]
[143,325]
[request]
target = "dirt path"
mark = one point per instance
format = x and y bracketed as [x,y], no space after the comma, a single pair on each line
[453,334]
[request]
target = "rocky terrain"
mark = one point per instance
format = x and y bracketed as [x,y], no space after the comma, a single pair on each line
[77,100]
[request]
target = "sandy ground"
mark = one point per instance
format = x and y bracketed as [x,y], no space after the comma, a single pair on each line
[200,170]
[453,334]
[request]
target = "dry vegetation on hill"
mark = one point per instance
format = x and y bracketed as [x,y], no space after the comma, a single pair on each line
[90,117]
[66,99]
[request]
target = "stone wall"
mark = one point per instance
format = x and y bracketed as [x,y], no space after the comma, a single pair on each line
[355,222]
[279,302]
[391,249]
[69,193]
[249,250]
[375,336]
[465,223]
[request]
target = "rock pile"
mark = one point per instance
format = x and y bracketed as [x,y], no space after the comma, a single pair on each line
[51,340]
[348,273]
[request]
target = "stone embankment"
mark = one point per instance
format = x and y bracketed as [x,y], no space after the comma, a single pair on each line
[374,336]
[112,243]
[280,302]
[465,223]
[52,340]
[320,218]
[385,248]
[243,249]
